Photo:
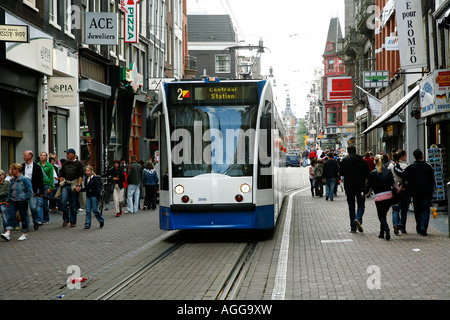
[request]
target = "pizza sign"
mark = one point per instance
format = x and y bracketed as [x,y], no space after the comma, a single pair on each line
[130,9]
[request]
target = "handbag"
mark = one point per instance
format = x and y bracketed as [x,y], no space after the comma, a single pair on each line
[397,192]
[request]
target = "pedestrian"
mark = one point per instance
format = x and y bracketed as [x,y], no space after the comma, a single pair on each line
[19,195]
[34,172]
[117,176]
[312,176]
[134,181]
[93,196]
[312,154]
[47,172]
[305,155]
[150,180]
[381,181]
[370,161]
[4,190]
[71,177]
[330,174]
[55,204]
[318,172]
[400,209]
[420,183]
[355,171]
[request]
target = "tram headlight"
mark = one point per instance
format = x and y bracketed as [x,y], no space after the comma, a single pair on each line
[245,188]
[179,189]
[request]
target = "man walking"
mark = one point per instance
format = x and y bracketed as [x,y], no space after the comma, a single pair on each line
[71,176]
[134,185]
[33,172]
[420,184]
[355,171]
[47,171]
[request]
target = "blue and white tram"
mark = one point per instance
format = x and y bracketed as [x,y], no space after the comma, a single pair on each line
[222,154]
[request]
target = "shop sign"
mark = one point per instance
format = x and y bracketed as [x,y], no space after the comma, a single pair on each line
[130,8]
[410,33]
[435,93]
[442,88]
[14,33]
[62,91]
[339,88]
[37,54]
[391,44]
[375,79]
[136,79]
[101,28]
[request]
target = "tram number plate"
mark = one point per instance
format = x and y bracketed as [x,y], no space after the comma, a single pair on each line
[202,200]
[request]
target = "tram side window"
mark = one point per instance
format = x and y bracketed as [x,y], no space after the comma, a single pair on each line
[264,158]
[163,161]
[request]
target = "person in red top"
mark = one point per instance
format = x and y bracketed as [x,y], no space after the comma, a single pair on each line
[312,154]
[370,161]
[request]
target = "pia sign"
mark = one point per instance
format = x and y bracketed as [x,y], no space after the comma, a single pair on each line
[130,9]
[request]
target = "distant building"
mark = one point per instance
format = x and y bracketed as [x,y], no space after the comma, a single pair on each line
[209,36]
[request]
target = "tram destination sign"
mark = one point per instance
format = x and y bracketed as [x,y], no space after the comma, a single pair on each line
[213,93]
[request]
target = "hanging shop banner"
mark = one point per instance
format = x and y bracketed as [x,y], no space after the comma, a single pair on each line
[427,96]
[435,93]
[339,88]
[101,28]
[391,44]
[410,33]
[442,89]
[130,8]
[62,91]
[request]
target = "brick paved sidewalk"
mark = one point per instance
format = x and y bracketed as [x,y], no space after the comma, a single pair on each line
[328,262]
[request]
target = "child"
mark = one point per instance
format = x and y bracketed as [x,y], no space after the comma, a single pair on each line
[93,195]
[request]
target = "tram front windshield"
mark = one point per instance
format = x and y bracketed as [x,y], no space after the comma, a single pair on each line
[212,139]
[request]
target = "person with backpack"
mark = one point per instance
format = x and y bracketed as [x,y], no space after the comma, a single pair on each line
[150,180]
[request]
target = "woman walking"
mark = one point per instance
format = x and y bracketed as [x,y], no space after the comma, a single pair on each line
[118,177]
[19,194]
[312,176]
[93,195]
[381,181]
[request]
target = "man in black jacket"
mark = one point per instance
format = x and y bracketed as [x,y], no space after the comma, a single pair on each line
[420,183]
[355,172]
[330,173]
[33,172]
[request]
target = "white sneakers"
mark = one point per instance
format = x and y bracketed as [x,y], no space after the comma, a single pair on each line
[23,237]
[7,236]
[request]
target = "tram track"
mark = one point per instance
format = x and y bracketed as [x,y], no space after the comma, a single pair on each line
[228,287]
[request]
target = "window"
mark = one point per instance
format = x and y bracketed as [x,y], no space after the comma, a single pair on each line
[54,12]
[350,114]
[68,17]
[31,4]
[341,65]
[331,116]
[330,65]
[223,64]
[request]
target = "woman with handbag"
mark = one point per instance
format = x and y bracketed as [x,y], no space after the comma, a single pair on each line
[117,176]
[381,181]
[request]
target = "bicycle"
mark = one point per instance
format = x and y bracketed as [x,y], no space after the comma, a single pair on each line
[103,190]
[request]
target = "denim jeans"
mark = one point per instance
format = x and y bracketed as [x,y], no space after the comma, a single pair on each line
[400,212]
[91,204]
[36,204]
[22,206]
[69,210]
[360,200]
[330,184]
[422,207]
[45,205]
[150,196]
[134,193]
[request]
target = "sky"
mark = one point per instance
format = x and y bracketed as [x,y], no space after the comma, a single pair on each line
[294,31]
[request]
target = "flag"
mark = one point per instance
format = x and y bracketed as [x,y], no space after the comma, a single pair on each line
[374,103]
